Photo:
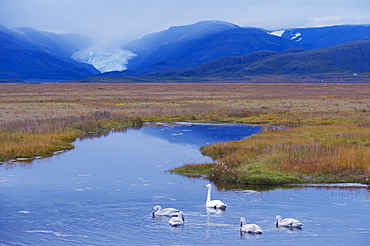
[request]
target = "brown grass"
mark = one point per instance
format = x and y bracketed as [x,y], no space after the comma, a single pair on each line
[40,137]
[183,101]
[27,145]
[342,152]
[330,134]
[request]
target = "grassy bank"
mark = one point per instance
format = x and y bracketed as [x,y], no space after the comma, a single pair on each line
[42,137]
[323,135]
[297,155]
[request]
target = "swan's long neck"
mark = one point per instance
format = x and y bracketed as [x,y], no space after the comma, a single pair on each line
[209,194]
[181,216]
[156,209]
[242,222]
[278,219]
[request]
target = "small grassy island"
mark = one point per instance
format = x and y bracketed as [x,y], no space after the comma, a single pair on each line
[313,132]
[320,154]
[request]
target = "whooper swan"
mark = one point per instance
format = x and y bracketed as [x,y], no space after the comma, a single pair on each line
[177,221]
[213,203]
[249,228]
[289,222]
[169,212]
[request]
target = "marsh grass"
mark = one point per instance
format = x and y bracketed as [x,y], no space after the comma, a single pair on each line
[195,170]
[40,137]
[324,135]
[28,145]
[299,155]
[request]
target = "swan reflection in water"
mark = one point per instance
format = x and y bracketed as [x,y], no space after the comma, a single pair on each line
[288,229]
[214,211]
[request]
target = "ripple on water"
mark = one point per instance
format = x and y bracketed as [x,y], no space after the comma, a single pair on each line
[58,234]
[245,191]
[339,185]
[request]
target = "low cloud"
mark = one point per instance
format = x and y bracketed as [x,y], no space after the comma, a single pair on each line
[126,19]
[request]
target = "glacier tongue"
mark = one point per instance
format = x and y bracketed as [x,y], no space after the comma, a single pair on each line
[104,57]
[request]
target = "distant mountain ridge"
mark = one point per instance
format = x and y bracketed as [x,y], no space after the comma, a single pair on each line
[353,57]
[188,46]
[145,46]
[321,37]
[225,43]
[206,48]
[175,48]
[174,34]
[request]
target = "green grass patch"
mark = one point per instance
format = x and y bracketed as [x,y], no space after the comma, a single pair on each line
[194,170]
[257,174]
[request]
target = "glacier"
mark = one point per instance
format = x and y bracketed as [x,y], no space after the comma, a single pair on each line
[104,57]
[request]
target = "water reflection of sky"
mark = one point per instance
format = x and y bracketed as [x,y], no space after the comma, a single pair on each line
[201,134]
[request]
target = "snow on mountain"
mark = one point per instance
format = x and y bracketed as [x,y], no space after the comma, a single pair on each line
[296,36]
[278,33]
[104,57]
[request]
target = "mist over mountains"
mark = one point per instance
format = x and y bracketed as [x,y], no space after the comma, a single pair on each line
[29,54]
[206,48]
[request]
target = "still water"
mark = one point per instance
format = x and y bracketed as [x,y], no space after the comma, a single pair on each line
[102,192]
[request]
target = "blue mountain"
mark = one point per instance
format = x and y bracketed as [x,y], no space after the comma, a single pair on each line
[153,41]
[353,57]
[188,46]
[321,37]
[206,48]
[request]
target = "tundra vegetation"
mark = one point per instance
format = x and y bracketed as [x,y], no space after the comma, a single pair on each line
[312,133]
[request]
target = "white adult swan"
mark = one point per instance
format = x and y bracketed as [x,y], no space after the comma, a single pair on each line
[249,228]
[289,222]
[169,212]
[213,203]
[177,221]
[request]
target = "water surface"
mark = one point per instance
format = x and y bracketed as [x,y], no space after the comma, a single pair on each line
[102,192]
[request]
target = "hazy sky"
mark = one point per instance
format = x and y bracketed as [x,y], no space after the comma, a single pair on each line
[130,19]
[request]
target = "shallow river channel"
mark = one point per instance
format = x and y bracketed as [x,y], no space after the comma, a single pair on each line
[102,193]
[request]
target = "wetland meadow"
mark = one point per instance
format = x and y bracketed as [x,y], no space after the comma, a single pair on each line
[313,132]
[83,164]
